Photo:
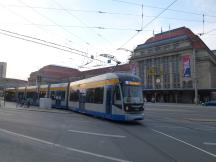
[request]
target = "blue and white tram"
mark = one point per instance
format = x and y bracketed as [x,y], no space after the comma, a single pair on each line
[59,95]
[115,96]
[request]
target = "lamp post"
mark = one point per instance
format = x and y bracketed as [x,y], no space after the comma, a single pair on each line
[127,50]
[132,63]
[113,58]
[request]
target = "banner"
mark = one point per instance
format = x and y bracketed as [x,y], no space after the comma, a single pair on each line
[186,66]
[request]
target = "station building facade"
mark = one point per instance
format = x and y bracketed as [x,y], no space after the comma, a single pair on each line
[173,64]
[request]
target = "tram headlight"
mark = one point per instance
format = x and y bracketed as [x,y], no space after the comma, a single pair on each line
[127,108]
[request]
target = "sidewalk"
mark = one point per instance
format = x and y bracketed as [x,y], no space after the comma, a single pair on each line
[14,106]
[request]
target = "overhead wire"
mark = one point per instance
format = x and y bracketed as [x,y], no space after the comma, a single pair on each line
[148,23]
[38,39]
[26,19]
[109,12]
[210,31]
[75,10]
[85,25]
[62,7]
[155,7]
[52,21]
[46,43]
[115,13]
[17,14]
[104,12]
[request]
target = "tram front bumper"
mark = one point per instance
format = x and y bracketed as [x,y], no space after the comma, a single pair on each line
[130,117]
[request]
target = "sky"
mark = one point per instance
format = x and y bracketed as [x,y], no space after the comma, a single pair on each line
[85,28]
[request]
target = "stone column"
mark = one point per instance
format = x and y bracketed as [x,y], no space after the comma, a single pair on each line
[170,72]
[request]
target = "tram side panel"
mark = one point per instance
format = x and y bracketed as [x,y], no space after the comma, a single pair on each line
[104,101]
[59,95]
[87,100]
[95,101]
[32,95]
[73,99]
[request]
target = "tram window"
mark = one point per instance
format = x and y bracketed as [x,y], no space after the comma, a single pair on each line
[42,94]
[74,96]
[99,93]
[95,95]
[62,95]
[117,96]
[52,95]
[117,93]
[90,95]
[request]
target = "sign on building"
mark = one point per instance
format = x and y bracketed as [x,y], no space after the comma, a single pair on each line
[186,66]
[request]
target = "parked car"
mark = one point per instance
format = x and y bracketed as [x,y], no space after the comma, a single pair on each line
[210,103]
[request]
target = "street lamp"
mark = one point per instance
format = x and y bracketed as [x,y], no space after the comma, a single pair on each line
[131,62]
[113,58]
[127,50]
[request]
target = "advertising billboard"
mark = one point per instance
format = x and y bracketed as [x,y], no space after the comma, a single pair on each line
[186,66]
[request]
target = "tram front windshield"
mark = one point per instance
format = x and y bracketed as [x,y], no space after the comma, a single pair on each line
[132,94]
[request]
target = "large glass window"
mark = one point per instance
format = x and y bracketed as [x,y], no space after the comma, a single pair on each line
[132,94]
[117,96]
[61,95]
[95,95]
[57,95]
[42,94]
[74,96]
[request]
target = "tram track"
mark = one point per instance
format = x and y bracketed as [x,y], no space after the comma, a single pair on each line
[182,123]
[153,146]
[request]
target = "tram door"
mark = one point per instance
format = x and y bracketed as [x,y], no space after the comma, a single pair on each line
[109,100]
[82,98]
[58,99]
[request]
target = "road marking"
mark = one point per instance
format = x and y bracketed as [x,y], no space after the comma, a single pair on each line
[179,140]
[63,147]
[202,119]
[97,134]
[169,105]
[209,143]
[177,105]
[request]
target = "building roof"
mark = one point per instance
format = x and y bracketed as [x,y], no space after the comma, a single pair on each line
[56,71]
[10,82]
[170,34]
[174,35]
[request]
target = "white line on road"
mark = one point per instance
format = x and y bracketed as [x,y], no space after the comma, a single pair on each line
[209,143]
[171,105]
[97,134]
[179,140]
[63,147]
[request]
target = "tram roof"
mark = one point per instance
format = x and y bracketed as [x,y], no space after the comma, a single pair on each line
[108,76]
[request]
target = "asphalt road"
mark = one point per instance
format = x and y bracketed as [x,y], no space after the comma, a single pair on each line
[169,132]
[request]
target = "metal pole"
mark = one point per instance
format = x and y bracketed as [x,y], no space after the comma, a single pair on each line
[195,78]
